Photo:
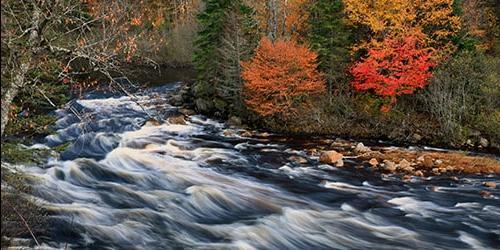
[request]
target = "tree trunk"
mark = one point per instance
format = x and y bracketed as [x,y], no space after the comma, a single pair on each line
[273,19]
[11,92]
[18,80]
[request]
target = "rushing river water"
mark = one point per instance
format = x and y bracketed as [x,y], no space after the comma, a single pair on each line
[125,185]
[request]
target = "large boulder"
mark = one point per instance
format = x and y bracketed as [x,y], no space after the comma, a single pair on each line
[331,157]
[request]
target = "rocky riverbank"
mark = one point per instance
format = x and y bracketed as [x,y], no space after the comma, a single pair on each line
[408,161]
[412,162]
[406,130]
[416,162]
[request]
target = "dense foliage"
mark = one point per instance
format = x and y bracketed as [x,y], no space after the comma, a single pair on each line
[278,76]
[466,90]
[369,54]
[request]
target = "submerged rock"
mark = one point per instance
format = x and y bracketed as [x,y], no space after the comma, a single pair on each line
[330,157]
[178,119]
[485,194]
[263,134]
[406,178]
[372,154]
[490,184]
[427,162]
[298,159]
[313,151]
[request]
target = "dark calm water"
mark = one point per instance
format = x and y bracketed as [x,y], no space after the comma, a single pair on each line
[122,185]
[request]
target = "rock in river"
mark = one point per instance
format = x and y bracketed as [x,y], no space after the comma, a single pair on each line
[389,166]
[178,119]
[330,157]
[298,159]
[373,162]
[490,184]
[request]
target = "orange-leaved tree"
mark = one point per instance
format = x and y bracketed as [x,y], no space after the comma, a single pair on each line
[278,76]
[399,67]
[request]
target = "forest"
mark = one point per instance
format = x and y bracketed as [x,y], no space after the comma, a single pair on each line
[165,121]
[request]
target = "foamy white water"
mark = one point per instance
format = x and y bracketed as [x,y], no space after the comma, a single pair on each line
[125,185]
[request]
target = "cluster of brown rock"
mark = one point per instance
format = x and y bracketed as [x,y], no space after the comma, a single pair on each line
[415,163]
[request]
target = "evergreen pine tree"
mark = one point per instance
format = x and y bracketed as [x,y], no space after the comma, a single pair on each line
[211,21]
[225,39]
[329,36]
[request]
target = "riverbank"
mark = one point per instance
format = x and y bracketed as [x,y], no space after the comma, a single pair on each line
[383,158]
[402,127]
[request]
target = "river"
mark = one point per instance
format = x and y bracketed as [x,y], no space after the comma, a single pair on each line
[200,185]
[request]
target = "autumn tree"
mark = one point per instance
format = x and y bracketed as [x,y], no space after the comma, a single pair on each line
[392,18]
[74,40]
[329,37]
[278,76]
[281,18]
[480,22]
[398,67]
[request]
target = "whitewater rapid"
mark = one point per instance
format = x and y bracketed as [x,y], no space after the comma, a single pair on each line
[125,183]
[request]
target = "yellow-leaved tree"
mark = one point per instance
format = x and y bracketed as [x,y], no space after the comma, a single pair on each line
[281,18]
[479,20]
[395,18]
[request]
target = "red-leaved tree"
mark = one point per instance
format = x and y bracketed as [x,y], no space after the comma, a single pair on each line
[278,76]
[399,66]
